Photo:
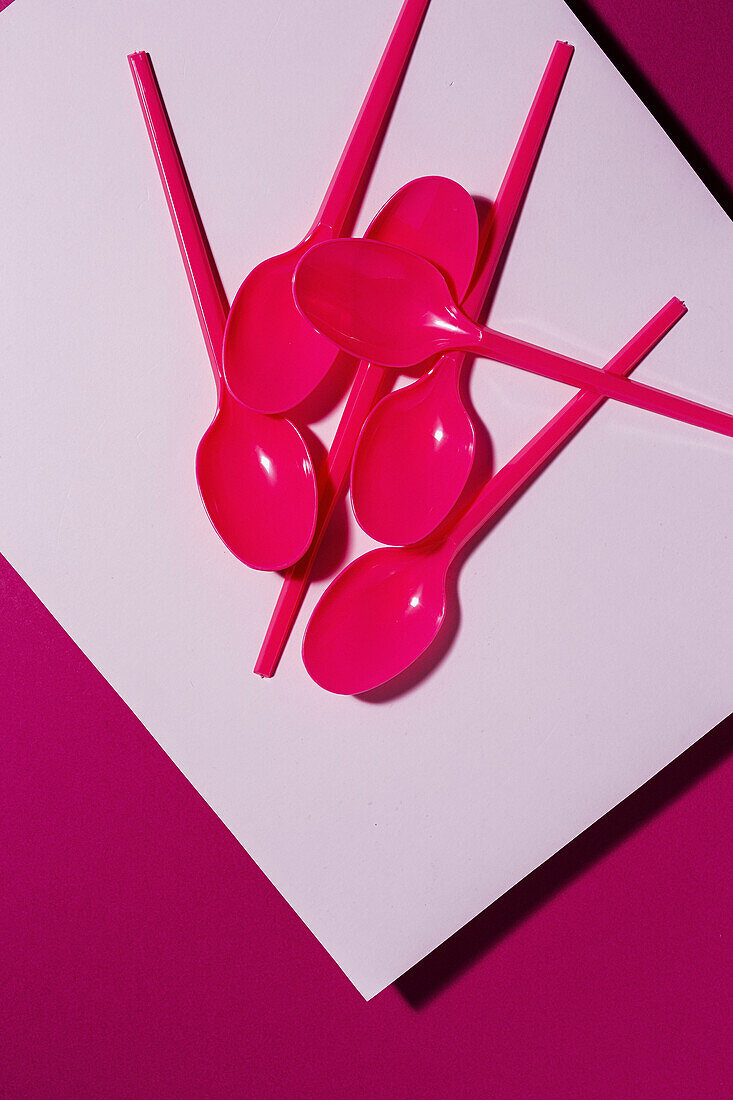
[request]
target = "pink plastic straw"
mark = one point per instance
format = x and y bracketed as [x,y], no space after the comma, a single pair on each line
[369,378]
[211,305]
[365,131]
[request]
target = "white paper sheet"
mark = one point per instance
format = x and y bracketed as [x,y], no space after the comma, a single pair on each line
[596,631]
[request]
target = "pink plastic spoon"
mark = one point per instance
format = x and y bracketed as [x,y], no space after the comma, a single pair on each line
[254,472]
[416,448]
[395,308]
[272,358]
[436,218]
[385,609]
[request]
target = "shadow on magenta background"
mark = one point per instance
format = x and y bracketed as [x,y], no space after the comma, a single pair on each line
[431,975]
[143,954]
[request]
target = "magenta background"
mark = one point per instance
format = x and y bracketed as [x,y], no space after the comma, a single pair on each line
[143,954]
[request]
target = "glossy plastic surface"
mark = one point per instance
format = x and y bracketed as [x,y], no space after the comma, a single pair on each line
[436,218]
[413,457]
[379,302]
[254,472]
[416,449]
[397,308]
[272,358]
[386,608]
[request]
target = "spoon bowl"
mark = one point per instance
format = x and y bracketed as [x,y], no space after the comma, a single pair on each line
[272,357]
[436,218]
[379,302]
[258,485]
[412,459]
[376,618]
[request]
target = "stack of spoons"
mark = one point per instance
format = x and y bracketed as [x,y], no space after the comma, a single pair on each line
[391,301]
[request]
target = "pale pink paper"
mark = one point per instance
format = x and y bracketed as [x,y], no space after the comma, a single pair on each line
[386,827]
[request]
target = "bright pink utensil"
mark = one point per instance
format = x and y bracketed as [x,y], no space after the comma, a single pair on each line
[416,448]
[254,472]
[272,358]
[384,610]
[395,308]
[436,218]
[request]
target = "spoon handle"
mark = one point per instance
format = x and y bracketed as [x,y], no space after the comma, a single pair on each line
[512,477]
[505,209]
[502,217]
[362,397]
[517,353]
[362,139]
[509,198]
[208,295]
